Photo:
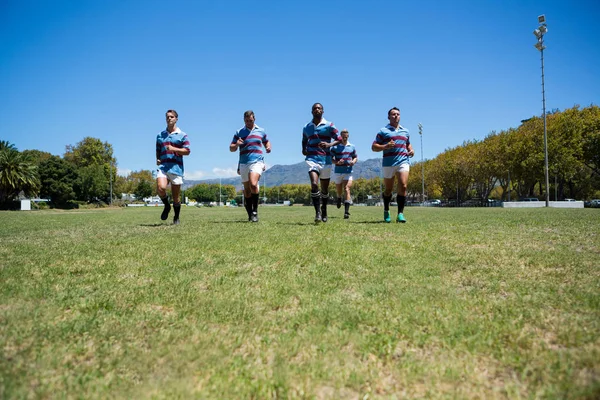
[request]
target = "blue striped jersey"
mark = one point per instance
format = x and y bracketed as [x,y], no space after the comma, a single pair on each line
[312,135]
[169,161]
[345,153]
[251,150]
[399,154]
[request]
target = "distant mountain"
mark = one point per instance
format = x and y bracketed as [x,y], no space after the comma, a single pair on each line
[279,175]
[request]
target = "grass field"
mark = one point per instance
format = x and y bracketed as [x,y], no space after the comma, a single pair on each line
[457,303]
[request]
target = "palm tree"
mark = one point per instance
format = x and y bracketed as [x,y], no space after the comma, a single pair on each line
[17,173]
[5,145]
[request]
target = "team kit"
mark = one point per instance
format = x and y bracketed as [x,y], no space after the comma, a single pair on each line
[324,148]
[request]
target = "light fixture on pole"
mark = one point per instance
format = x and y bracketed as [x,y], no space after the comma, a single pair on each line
[422,166]
[539,34]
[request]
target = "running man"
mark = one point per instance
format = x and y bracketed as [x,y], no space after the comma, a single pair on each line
[344,158]
[250,140]
[394,141]
[317,137]
[171,145]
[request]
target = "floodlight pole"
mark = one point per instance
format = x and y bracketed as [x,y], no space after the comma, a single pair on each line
[545,133]
[110,178]
[539,33]
[422,166]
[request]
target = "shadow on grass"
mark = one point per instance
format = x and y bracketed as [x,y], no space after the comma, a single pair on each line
[237,221]
[157,224]
[368,222]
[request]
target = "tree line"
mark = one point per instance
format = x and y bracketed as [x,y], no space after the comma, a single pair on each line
[511,162]
[505,164]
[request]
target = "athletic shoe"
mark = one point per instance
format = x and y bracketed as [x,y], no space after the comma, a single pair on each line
[165,213]
[339,202]
[318,217]
[346,215]
[254,217]
[401,218]
[176,221]
[386,216]
[324,219]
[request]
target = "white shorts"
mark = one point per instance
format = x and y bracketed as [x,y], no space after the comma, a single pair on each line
[176,180]
[324,171]
[245,169]
[339,178]
[390,172]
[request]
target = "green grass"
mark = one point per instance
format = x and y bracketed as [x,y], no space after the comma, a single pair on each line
[457,303]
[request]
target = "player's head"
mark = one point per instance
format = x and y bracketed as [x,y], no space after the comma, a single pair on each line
[344,134]
[317,110]
[249,119]
[393,109]
[394,116]
[171,116]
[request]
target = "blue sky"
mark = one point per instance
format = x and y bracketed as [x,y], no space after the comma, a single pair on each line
[110,69]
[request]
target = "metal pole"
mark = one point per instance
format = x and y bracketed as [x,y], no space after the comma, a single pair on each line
[545,135]
[111,194]
[422,166]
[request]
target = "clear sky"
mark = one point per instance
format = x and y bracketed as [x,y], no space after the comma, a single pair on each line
[110,69]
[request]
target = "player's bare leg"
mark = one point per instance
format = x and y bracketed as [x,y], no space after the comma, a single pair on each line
[176,191]
[161,188]
[388,184]
[253,179]
[401,194]
[348,199]
[315,194]
[324,198]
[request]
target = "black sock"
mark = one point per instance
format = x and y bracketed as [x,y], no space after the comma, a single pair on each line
[401,200]
[165,200]
[347,207]
[316,199]
[176,208]
[386,202]
[324,200]
[248,205]
[255,202]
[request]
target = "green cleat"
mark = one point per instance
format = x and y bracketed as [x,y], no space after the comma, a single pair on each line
[386,216]
[401,218]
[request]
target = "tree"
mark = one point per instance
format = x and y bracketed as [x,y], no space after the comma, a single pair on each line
[143,189]
[90,151]
[37,156]
[92,184]
[130,183]
[96,164]
[58,179]
[17,173]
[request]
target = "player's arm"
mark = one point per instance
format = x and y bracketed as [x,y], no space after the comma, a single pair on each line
[267,145]
[236,143]
[304,144]
[354,158]
[411,151]
[380,144]
[381,147]
[334,136]
[158,150]
[182,151]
